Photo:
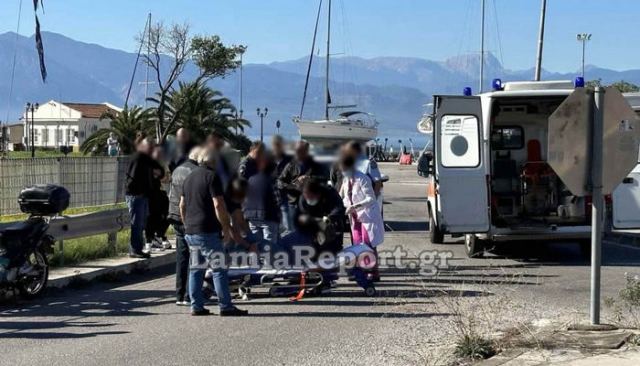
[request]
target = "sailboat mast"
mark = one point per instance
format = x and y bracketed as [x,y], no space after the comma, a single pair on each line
[482,47]
[327,97]
[543,12]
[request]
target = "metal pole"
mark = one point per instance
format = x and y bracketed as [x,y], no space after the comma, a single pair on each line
[597,206]
[261,127]
[326,86]
[543,12]
[584,46]
[33,128]
[482,48]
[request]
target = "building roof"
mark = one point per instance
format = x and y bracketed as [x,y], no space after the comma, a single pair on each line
[91,110]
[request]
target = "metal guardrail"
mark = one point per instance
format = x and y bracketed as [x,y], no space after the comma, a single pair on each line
[108,222]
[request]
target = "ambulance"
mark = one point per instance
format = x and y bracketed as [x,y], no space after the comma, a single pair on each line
[488,177]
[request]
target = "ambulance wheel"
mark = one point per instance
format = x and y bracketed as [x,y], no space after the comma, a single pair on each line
[370,291]
[473,246]
[435,235]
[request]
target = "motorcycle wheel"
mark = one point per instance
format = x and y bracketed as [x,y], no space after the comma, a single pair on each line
[32,285]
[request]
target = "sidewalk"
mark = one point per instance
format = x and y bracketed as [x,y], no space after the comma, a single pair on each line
[626,356]
[84,272]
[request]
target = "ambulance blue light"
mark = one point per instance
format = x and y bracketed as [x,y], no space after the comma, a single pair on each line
[497,84]
[579,82]
[467,92]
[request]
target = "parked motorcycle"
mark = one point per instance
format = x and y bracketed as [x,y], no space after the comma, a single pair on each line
[24,246]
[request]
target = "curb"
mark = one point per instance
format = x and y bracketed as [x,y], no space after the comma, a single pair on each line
[97,270]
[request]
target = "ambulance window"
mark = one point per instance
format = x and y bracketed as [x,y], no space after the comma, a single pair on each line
[507,138]
[460,142]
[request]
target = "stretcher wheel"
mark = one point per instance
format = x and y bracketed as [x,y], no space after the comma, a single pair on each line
[370,291]
[274,291]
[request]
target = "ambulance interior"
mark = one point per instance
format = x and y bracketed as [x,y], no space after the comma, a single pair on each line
[525,191]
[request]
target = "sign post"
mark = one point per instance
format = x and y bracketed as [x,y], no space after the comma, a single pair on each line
[597,201]
[593,144]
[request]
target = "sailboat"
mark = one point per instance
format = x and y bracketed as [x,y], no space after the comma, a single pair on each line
[349,124]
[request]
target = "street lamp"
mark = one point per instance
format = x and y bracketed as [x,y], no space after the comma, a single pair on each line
[278,126]
[262,114]
[584,38]
[31,107]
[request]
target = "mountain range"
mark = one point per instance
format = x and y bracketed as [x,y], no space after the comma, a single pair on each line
[395,89]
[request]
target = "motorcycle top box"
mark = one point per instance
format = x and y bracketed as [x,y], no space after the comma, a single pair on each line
[44,199]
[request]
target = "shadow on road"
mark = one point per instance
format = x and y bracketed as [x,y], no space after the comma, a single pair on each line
[25,330]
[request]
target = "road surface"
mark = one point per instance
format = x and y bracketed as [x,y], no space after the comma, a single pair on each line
[413,321]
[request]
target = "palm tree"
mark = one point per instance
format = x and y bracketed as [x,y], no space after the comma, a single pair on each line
[202,110]
[124,125]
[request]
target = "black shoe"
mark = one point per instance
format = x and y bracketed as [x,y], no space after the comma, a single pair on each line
[140,255]
[201,312]
[234,311]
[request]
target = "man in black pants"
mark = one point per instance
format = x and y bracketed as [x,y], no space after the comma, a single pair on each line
[182,249]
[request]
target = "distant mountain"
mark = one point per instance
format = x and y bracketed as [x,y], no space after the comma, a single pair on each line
[393,88]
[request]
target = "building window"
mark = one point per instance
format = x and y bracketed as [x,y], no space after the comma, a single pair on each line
[45,136]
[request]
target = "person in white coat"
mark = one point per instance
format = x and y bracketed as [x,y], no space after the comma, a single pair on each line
[359,198]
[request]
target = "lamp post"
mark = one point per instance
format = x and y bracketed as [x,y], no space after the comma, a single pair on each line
[262,114]
[584,38]
[31,107]
[278,126]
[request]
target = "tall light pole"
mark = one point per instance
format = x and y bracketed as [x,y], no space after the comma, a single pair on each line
[262,114]
[31,107]
[584,38]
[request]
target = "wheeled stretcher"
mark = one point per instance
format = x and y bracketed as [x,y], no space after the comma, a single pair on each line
[297,282]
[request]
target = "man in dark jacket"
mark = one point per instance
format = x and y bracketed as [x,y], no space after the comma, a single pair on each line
[281,160]
[249,165]
[300,170]
[261,206]
[180,174]
[139,181]
[319,217]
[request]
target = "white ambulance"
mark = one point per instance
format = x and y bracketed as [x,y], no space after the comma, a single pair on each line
[488,179]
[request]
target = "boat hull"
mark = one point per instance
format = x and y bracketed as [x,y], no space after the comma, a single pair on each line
[331,131]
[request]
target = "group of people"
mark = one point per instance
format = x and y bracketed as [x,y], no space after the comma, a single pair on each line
[271,203]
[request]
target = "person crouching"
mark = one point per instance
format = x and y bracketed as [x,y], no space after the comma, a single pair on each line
[205,218]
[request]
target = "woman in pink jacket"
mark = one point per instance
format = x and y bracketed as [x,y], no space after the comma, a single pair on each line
[359,198]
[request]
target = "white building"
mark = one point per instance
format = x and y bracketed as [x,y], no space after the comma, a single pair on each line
[58,124]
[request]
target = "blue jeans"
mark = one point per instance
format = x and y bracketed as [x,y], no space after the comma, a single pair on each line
[285,222]
[138,211]
[204,246]
[265,230]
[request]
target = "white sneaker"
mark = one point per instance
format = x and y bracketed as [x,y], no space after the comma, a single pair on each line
[156,245]
[147,248]
[166,244]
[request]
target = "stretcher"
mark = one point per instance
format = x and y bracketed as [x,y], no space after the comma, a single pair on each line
[298,282]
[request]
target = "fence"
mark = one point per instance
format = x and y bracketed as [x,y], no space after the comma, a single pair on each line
[92,181]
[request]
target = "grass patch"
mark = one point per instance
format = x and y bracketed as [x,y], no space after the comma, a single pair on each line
[474,347]
[626,307]
[90,248]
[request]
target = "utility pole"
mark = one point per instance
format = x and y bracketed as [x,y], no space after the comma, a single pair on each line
[242,51]
[543,14]
[482,47]
[31,107]
[584,38]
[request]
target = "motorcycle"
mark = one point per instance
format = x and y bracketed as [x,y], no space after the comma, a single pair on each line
[25,246]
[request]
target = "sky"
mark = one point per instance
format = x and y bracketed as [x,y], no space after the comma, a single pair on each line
[277,30]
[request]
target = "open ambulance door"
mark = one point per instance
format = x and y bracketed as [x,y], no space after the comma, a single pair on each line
[626,202]
[462,199]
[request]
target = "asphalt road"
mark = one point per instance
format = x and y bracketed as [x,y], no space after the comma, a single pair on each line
[135,321]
